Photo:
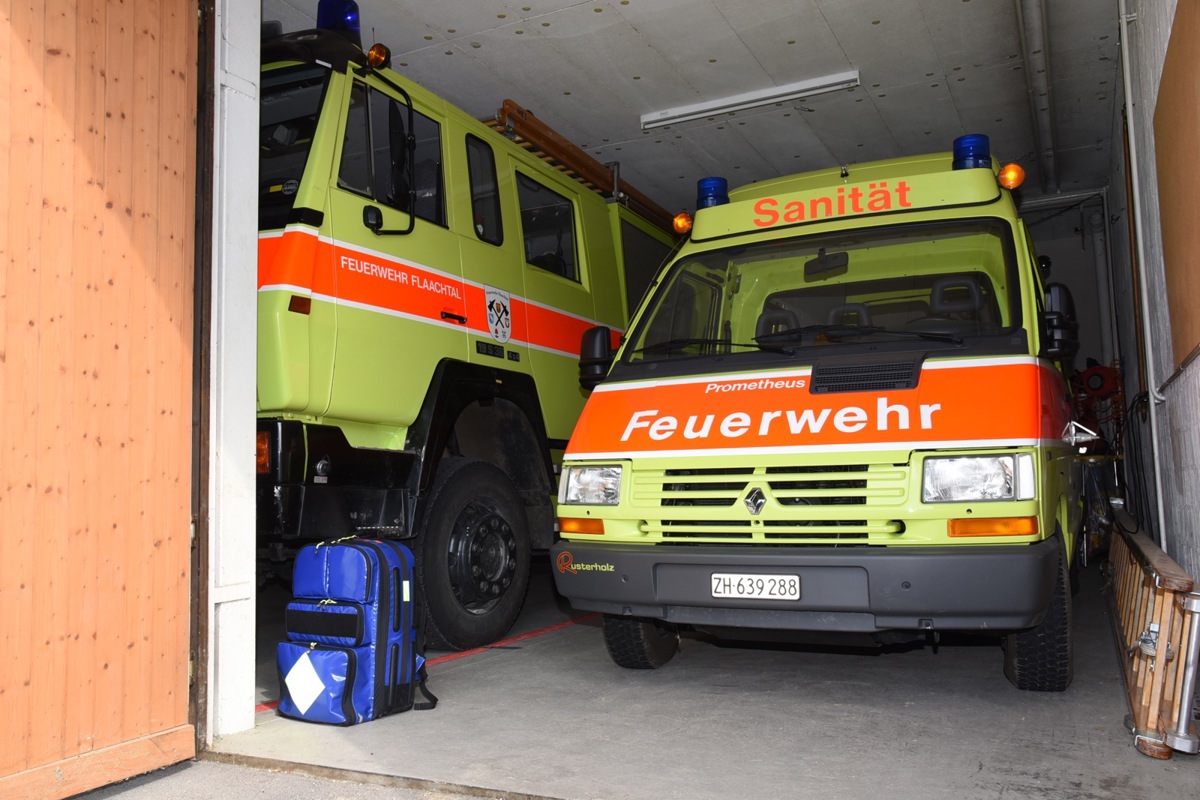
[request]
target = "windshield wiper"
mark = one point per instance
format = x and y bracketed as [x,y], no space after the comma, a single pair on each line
[675,344]
[836,332]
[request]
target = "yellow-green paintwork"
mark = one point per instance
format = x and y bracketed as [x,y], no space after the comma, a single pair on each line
[368,372]
[944,194]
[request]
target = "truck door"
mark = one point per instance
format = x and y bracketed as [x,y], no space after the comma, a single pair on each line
[401,303]
[492,263]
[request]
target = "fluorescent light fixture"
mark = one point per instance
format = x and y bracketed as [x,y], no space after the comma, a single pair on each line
[748,100]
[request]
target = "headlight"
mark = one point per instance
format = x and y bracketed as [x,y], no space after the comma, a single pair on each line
[959,480]
[590,486]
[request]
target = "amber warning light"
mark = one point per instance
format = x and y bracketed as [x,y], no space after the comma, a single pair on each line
[1011,176]
[379,56]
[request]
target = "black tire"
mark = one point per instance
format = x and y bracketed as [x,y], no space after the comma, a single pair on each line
[472,555]
[639,643]
[1042,658]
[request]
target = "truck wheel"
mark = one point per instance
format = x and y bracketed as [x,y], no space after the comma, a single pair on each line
[638,643]
[1041,659]
[472,556]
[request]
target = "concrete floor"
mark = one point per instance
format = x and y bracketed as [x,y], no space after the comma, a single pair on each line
[551,716]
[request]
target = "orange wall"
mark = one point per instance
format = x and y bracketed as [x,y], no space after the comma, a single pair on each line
[97,212]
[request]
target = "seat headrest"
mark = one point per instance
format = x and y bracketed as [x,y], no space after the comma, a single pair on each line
[774,320]
[850,314]
[955,295]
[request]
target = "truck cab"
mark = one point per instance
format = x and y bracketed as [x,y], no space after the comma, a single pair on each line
[841,409]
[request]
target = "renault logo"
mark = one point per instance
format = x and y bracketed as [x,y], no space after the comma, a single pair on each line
[755,500]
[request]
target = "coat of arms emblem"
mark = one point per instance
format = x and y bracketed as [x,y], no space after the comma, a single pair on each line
[499,314]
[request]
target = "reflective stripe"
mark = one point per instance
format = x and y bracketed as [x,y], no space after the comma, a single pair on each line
[298,261]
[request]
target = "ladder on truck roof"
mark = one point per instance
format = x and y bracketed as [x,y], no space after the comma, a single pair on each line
[525,129]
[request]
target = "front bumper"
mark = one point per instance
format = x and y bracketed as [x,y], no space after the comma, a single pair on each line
[860,589]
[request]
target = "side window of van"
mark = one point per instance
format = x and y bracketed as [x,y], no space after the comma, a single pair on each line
[375,163]
[548,225]
[485,200]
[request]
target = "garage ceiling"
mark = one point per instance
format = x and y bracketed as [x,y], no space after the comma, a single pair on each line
[930,70]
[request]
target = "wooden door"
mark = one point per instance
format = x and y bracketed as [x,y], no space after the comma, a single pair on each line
[97,164]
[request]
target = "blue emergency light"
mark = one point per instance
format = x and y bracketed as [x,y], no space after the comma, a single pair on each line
[340,16]
[711,191]
[971,151]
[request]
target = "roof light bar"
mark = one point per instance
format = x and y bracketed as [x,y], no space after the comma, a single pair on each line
[749,100]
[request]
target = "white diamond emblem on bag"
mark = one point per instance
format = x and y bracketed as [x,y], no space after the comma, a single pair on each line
[303,683]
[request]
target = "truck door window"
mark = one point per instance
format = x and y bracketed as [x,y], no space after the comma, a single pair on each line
[548,225]
[485,200]
[687,319]
[291,104]
[643,255]
[375,164]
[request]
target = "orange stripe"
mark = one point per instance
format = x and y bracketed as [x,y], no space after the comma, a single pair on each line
[977,403]
[302,260]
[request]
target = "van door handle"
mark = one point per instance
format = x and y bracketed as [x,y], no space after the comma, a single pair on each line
[459,318]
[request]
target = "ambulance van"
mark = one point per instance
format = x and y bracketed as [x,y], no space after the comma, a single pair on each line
[841,409]
[424,280]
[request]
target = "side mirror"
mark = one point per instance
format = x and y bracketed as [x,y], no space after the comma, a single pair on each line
[1060,329]
[373,219]
[595,356]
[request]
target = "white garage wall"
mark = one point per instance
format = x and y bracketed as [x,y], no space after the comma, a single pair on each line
[231,568]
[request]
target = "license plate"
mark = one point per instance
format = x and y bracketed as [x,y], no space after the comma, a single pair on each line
[757,587]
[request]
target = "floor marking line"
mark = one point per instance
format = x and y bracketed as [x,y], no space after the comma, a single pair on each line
[511,640]
[500,645]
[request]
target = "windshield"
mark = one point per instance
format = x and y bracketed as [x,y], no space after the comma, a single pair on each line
[291,104]
[943,285]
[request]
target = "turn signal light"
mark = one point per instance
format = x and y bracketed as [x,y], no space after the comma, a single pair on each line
[996,526]
[578,525]
[262,453]
[682,223]
[1011,176]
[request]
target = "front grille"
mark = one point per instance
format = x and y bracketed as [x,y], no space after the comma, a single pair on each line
[837,504]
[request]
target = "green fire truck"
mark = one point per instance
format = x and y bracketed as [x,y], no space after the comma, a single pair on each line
[424,280]
[841,409]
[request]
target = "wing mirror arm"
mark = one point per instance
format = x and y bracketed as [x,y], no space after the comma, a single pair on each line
[373,220]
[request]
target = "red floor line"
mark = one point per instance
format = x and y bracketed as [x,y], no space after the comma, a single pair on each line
[558,626]
[521,637]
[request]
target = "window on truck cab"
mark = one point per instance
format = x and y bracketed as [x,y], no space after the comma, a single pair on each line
[548,225]
[290,108]
[485,197]
[644,256]
[374,162]
[945,287]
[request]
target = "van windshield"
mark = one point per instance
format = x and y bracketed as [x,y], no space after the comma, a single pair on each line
[291,104]
[942,285]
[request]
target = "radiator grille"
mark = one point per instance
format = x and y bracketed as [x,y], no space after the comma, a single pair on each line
[838,504]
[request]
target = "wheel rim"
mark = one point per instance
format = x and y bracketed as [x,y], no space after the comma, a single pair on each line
[482,557]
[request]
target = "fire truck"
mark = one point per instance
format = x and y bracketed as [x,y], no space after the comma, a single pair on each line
[841,410]
[424,281]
